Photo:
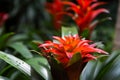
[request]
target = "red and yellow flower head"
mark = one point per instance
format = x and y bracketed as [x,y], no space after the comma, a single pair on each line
[66,47]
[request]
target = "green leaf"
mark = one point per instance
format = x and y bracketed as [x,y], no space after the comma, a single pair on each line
[86,73]
[4,38]
[111,70]
[18,37]
[3,65]
[76,57]
[34,45]
[17,75]
[5,68]
[86,33]
[41,66]
[69,30]
[108,69]
[22,49]
[16,62]
[3,78]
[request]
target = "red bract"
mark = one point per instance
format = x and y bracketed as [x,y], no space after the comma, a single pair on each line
[66,47]
[3,17]
[85,12]
[56,8]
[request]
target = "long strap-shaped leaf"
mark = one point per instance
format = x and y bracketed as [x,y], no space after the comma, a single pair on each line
[16,62]
[103,70]
[22,49]
[3,78]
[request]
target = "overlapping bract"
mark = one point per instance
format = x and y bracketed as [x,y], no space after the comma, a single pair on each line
[66,47]
[84,12]
[56,8]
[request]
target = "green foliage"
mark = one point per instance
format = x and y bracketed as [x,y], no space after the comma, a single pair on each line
[4,38]
[17,63]
[69,30]
[22,49]
[3,78]
[76,57]
[41,66]
[103,70]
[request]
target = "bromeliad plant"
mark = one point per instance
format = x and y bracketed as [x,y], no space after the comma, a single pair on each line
[70,57]
[83,13]
[72,52]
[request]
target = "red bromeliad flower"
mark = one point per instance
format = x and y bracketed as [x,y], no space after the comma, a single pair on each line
[69,46]
[85,12]
[3,17]
[56,8]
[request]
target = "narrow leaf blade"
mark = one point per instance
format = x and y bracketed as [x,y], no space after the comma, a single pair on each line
[41,66]
[16,62]
[22,49]
[3,78]
[69,30]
